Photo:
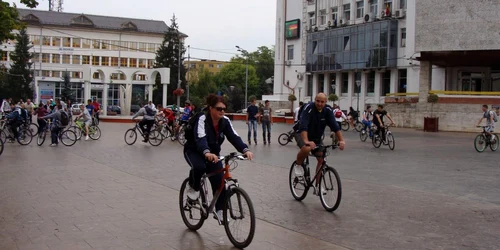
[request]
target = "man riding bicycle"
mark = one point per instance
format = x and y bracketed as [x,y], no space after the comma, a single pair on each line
[148,120]
[14,120]
[203,147]
[490,120]
[311,126]
[87,119]
[378,120]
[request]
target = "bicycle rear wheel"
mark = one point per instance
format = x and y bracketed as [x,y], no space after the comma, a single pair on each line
[34,129]
[391,141]
[494,142]
[94,132]
[130,136]
[3,136]
[358,126]
[237,208]
[363,135]
[376,141]
[298,183]
[1,147]
[155,138]
[25,137]
[77,130]
[480,143]
[191,211]
[67,137]
[345,125]
[181,137]
[330,189]
[283,139]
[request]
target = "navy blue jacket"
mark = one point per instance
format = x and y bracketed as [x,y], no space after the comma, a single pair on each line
[314,122]
[206,139]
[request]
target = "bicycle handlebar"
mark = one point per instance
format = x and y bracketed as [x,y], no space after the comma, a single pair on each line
[233,155]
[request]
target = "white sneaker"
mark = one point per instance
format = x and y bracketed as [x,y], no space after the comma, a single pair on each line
[191,193]
[87,138]
[299,170]
[220,214]
[53,145]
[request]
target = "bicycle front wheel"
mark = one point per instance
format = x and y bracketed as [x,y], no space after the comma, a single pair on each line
[34,129]
[363,135]
[191,211]
[67,137]
[376,141]
[494,142]
[40,139]
[155,138]
[358,126]
[25,137]
[181,137]
[77,130]
[283,139]
[239,218]
[94,132]
[3,136]
[330,189]
[130,136]
[1,147]
[480,143]
[345,126]
[391,141]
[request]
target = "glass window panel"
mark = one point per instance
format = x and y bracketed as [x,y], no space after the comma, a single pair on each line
[376,39]
[105,44]
[46,40]
[96,44]
[56,58]
[123,62]
[132,45]
[76,42]
[383,39]
[65,59]
[105,61]
[95,60]
[56,41]
[85,59]
[123,45]
[114,61]
[76,59]
[383,57]
[66,42]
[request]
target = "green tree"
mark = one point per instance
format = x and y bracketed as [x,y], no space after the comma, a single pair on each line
[263,61]
[168,56]
[20,74]
[202,87]
[67,93]
[9,18]
[233,74]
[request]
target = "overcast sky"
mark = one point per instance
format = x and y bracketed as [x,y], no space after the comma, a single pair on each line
[210,24]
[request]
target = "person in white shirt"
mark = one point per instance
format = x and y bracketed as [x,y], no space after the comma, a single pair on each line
[339,115]
[296,111]
[6,105]
[151,105]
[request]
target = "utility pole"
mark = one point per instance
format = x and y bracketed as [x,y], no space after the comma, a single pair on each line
[188,69]
[179,71]
[245,53]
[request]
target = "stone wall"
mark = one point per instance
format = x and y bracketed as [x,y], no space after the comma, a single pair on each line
[452,117]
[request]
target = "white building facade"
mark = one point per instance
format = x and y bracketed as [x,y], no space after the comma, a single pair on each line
[334,46]
[106,57]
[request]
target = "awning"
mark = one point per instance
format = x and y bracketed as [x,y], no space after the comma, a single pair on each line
[479,58]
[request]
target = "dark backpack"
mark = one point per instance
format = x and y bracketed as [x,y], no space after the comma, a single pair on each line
[64,118]
[149,111]
[191,123]
[24,114]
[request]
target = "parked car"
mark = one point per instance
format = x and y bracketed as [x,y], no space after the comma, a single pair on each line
[242,111]
[134,108]
[181,109]
[75,108]
[114,108]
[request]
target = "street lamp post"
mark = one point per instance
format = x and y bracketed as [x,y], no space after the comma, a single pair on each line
[358,83]
[179,70]
[245,53]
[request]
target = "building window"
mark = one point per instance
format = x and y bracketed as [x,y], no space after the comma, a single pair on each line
[46,73]
[35,40]
[402,4]
[386,83]
[36,57]
[66,42]
[96,75]
[344,89]
[86,43]
[139,77]
[105,44]
[151,47]
[85,59]
[114,45]
[76,42]
[114,61]
[370,84]
[333,78]
[4,56]
[76,74]
[123,45]
[151,62]
[322,17]
[142,63]
[123,62]
[46,40]
[290,52]
[210,65]
[118,76]
[192,66]
[219,66]
[105,61]
[96,44]
[201,66]
[360,9]
[312,19]
[56,41]
[347,12]
[309,85]
[45,58]
[335,15]
[65,59]
[403,37]
[142,47]
[133,62]
[76,59]
[56,73]
[402,73]
[388,3]
[95,60]
[374,8]
[321,83]
[347,43]
[132,46]
[56,58]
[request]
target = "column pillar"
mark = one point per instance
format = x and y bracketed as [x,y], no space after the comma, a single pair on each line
[350,89]
[378,86]
[104,99]
[326,84]
[424,84]
[150,92]
[164,99]
[338,82]
[362,93]
[314,87]
[394,81]
[86,90]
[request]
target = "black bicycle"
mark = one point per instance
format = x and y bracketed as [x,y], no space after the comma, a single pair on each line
[25,137]
[377,139]
[329,181]
[237,205]
[286,138]
[65,136]
[1,146]
[155,138]
[483,140]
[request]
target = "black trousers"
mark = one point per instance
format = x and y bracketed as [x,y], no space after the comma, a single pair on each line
[149,124]
[200,166]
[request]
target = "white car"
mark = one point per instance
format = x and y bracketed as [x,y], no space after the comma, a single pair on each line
[75,108]
[281,112]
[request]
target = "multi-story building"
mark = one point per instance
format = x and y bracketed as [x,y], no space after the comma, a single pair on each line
[104,55]
[194,67]
[360,50]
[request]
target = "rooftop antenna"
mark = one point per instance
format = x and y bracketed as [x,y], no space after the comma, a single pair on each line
[58,8]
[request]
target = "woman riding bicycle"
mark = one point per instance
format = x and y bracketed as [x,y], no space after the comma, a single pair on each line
[203,147]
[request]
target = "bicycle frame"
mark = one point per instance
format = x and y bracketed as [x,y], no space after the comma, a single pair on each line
[323,164]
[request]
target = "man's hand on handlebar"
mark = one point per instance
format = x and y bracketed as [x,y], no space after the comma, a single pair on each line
[248,155]
[211,157]
[311,144]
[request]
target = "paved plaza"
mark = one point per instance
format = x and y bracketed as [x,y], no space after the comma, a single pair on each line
[434,191]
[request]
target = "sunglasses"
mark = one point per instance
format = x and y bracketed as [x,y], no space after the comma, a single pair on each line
[220,109]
